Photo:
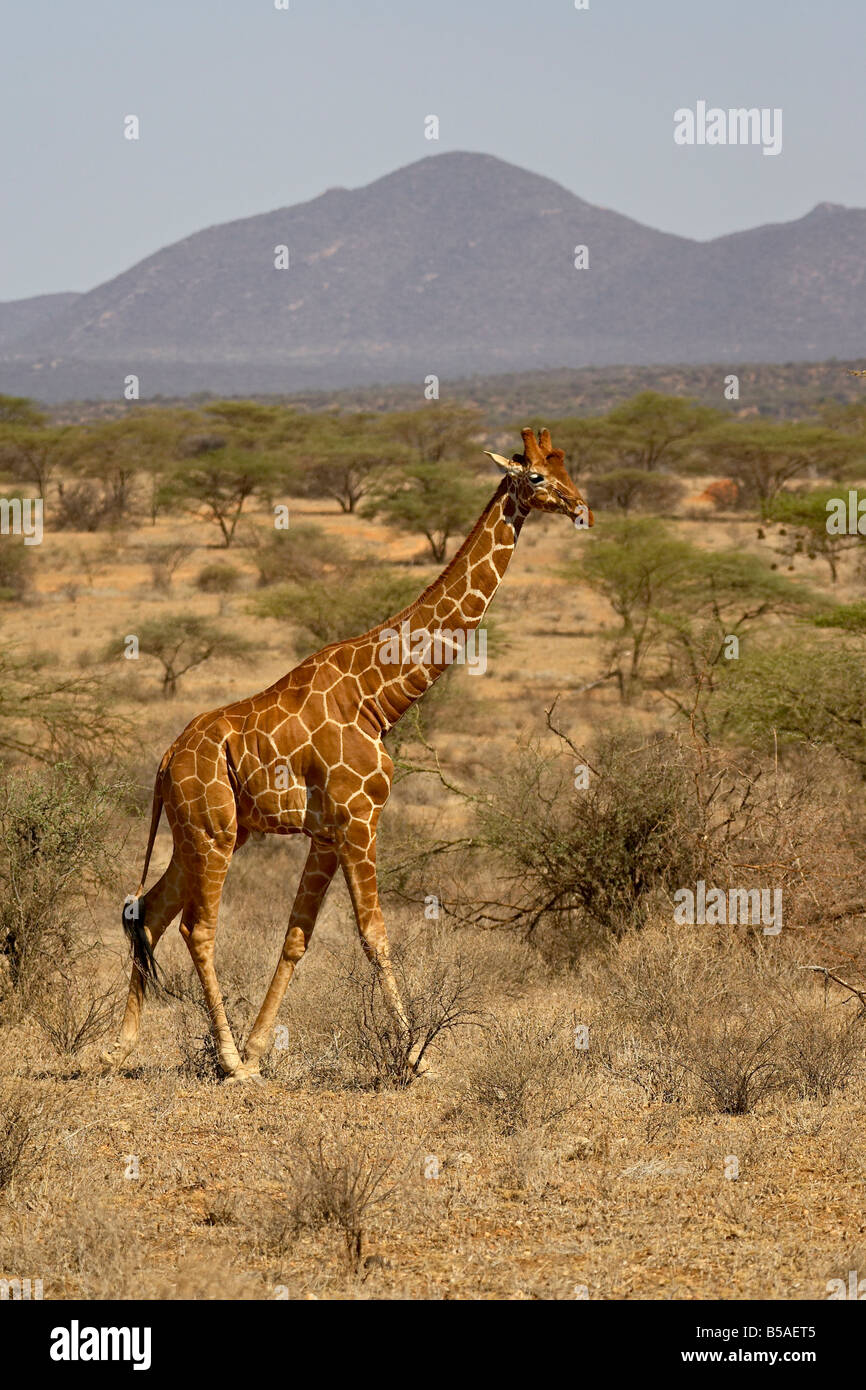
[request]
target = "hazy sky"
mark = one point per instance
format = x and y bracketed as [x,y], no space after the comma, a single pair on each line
[245,108]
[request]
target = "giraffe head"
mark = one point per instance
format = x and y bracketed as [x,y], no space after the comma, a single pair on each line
[539,481]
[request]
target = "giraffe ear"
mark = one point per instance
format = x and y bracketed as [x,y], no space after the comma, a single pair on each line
[507,465]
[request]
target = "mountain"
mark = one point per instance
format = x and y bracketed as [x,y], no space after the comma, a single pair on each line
[456,264]
[21,317]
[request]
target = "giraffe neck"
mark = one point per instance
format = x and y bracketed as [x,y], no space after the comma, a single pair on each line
[438,630]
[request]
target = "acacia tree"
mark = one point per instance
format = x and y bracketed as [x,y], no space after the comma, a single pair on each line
[436,432]
[107,467]
[763,456]
[720,597]
[254,428]
[180,642]
[637,566]
[434,500]
[633,489]
[668,593]
[111,456]
[157,441]
[35,454]
[653,431]
[253,425]
[343,457]
[221,481]
[803,519]
[20,410]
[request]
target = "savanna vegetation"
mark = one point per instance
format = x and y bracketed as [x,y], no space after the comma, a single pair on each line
[620,1104]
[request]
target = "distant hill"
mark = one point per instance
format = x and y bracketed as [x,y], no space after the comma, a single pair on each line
[789,391]
[21,318]
[458,264]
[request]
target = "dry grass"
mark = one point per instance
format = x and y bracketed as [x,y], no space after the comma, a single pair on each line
[526,1074]
[708,1143]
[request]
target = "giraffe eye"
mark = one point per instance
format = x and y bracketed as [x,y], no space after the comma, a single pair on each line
[536,478]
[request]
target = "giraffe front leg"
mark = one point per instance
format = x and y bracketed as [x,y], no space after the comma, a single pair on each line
[318,871]
[358,861]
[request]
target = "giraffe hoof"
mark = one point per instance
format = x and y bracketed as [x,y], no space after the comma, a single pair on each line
[242,1074]
[115,1055]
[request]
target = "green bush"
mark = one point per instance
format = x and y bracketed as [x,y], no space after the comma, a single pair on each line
[302,552]
[803,518]
[330,610]
[597,855]
[675,601]
[808,691]
[16,567]
[53,833]
[218,579]
[635,490]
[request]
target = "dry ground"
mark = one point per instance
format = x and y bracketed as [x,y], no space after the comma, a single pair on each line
[160,1182]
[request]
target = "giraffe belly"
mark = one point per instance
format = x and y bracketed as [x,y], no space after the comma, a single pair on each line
[274,799]
[282,813]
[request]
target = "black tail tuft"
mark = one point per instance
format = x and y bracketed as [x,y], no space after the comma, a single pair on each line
[142,951]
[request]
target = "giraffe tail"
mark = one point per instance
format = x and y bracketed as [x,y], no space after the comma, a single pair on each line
[134,908]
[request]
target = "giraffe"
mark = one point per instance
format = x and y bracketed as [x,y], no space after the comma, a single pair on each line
[306,756]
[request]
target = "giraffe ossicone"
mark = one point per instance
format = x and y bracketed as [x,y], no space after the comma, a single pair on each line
[307,756]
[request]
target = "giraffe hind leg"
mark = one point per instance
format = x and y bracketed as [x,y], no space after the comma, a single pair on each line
[205,875]
[145,920]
